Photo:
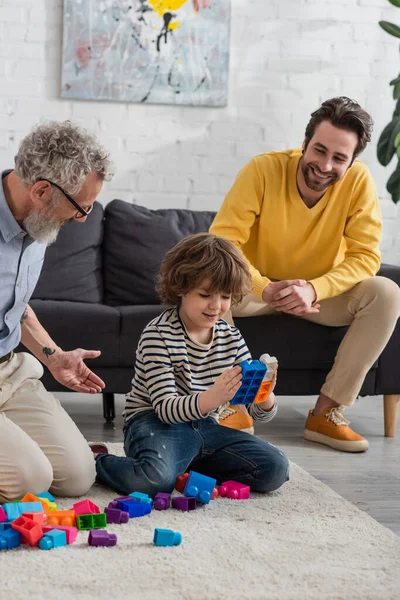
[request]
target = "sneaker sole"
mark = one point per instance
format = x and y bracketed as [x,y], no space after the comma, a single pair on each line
[249,430]
[343,445]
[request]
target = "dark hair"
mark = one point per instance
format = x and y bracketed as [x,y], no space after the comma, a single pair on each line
[344,114]
[200,257]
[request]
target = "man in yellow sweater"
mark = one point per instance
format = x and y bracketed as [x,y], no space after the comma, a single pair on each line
[309,223]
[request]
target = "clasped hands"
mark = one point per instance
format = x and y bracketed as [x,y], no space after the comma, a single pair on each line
[292,296]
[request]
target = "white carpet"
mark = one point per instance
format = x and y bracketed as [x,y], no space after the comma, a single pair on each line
[304,542]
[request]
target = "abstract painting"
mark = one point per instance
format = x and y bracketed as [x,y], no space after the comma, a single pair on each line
[153,51]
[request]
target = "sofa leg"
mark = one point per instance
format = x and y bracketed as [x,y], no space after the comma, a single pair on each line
[390,411]
[108,407]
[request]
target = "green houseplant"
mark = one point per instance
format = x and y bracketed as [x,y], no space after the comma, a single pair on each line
[389,141]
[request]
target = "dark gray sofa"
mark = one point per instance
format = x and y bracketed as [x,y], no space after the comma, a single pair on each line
[96,291]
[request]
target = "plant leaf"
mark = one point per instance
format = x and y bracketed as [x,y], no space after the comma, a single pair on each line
[396,80]
[393,184]
[390,28]
[395,3]
[396,91]
[386,147]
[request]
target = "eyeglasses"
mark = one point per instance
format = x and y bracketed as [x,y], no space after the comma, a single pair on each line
[83,212]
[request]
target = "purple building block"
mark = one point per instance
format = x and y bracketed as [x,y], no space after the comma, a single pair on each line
[183,503]
[162,501]
[101,538]
[115,515]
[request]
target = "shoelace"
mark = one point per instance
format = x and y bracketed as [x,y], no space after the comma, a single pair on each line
[227,411]
[336,416]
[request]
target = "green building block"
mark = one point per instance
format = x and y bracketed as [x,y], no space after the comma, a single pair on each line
[85,522]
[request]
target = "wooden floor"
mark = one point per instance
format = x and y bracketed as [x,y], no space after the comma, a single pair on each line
[369,480]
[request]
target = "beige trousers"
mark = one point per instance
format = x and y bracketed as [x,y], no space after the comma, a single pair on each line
[40,446]
[371,308]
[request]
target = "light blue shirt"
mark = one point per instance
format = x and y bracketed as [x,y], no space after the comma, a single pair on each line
[21,260]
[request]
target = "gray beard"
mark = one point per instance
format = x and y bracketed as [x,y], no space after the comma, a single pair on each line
[40,228]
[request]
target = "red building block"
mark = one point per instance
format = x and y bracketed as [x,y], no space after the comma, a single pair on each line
[181,482]
[30,531]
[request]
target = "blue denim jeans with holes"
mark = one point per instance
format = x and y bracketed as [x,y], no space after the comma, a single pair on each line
[156,453]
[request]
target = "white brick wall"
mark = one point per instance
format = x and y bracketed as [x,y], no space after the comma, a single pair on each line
[286,57]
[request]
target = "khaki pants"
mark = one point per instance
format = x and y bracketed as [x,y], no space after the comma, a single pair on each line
[371,308]
[40,446]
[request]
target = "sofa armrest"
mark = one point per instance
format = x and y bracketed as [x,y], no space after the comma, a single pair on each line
[388,375]
[390,271]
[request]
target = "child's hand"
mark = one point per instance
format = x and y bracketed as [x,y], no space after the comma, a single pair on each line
[222,391]
[227,384]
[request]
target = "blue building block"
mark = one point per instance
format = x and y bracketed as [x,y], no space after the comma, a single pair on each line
[14,510]
[53,539]
[167,537]
[200,487]
[11,537]
[134,508]
[143,498]
[252,376]
[5,525]
[46,495]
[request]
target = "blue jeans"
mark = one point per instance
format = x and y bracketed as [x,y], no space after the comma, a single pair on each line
[156,453]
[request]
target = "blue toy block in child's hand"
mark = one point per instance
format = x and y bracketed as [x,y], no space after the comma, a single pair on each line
[252,377]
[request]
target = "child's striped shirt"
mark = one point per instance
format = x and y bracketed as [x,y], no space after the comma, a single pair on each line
[172,369]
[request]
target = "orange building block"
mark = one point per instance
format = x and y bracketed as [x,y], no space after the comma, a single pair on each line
[32,498]
[263,392]
[61,517]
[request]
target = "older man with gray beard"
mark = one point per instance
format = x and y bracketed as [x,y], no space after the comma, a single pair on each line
[59,172]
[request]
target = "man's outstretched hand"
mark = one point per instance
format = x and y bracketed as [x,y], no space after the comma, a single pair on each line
[69,369]
[292,296]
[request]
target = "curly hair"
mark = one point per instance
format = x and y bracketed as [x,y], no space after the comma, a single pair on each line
[62,152]
[343,113]
[200,257]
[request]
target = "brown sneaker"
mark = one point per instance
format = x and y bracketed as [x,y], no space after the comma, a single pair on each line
[98,449]
[332,429]
[236,417]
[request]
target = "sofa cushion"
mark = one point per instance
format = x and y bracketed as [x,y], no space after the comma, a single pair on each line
[133,320]
[81,325]
[135,242]
[72,267]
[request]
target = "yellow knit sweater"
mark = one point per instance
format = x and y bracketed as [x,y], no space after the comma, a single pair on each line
[334,245]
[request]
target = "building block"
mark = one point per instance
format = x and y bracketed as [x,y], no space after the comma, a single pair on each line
[3,515]
[47,496]
[115,515]
[39,518]
[200,487]
[114,503]
[102,538]
[234,490]
[70,532]
[32,498]
[183,503]
[271,364]
[143,498]
[252,376]
[12,510]
[134,509]
[53,539]
[214,494]
[162,501]
[30,531]
[3,544]
[12,539]
[181,482]
[86,507]
[61,517]
[5,525]
[167,537]
[91,521]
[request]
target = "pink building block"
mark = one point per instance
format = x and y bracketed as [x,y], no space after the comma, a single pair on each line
[70,532]
[3,516]
[86,507]
[234,490]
